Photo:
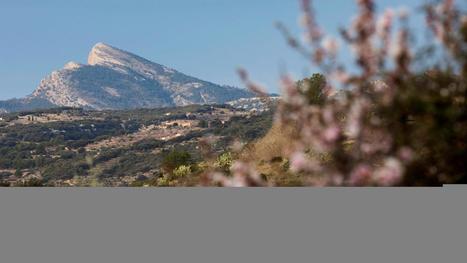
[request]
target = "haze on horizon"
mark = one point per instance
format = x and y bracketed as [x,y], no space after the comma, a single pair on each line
[205,38]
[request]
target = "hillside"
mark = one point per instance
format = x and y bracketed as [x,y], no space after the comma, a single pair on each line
[76,147]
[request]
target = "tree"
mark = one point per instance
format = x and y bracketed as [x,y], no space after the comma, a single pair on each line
[313,89]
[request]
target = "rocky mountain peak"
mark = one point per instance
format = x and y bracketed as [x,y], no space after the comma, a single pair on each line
[103,54]
[117,79]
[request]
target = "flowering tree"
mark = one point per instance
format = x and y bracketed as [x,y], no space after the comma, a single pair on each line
[389,123]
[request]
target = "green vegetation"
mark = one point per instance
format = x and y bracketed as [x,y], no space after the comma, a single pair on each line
[182,171]
[224,161]
[59,150]
[246,129]
[313,89]
[176,159]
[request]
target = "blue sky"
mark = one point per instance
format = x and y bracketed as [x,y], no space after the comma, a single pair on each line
[208,39]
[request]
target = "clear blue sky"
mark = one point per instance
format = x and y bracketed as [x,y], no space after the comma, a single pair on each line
[208,39]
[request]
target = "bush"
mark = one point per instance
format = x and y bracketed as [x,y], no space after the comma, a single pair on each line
[175,159]
[31,183]
[203,124]
[182,171]
[147,144]
[224,161]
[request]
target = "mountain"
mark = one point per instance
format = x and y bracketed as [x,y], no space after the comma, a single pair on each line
[116,79]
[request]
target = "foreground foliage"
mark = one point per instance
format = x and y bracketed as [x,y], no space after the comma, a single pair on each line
[398,120]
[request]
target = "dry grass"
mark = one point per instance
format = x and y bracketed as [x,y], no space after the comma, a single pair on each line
[275,144]
[270,154]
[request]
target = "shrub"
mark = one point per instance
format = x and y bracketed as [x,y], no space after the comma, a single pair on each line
[182,171]
[163,182]
[224,161]
[147,144]
[203,124]
[175,159]
[31,183]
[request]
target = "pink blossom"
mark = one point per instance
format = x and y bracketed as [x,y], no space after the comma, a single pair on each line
[336,179]
[406,154]
[384,23]
[361,175]
[390,174]
[299,162]
[340,76]
[328,115]
[309,22]
[354,118]
[380,86]
[244,174]
[253,87]
[331,46]
[464,20]
[331,134]
[290,91]
[447,6]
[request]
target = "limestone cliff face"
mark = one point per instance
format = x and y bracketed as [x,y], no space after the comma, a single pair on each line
[116,79]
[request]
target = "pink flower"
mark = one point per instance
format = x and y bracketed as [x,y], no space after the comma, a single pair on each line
[406,154]
[253,87]
[380,86]
[299,162]
[353,123]
[384,23]
[340,75]
[361,175]
[331,134]
[390,174]
[244,175]
[330,46]
[336,179]
[447,6]
[464,19]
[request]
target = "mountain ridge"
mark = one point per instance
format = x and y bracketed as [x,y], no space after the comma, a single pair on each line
[116,79]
